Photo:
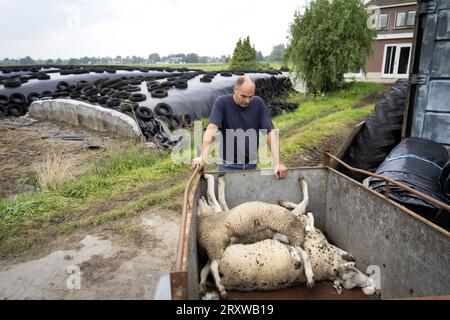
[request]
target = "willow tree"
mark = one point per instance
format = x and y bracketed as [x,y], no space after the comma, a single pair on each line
[328,40]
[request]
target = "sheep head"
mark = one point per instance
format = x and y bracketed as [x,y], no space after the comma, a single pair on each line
[350,277]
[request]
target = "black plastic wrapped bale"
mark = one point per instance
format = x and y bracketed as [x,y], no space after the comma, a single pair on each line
[444,180]
[416,163]
[199,98]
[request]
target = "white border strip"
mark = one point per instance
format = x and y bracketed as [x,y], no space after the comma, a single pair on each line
[395,36]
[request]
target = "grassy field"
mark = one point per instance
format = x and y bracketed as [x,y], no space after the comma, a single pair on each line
[204,66]
[130,180]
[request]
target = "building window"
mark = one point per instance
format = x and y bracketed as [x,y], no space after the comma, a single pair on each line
[400,20]
[411,18]
[383,21]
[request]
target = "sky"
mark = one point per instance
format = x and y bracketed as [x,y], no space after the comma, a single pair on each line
[45,29]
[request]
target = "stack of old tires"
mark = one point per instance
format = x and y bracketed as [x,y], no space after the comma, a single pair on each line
[277,108]
[379,134]
[15,104]
[269,89]
[164,113]
[417,163]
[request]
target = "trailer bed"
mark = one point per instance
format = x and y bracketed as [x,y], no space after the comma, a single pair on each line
[411,253]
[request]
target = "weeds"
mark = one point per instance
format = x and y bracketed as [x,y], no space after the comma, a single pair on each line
[55,169]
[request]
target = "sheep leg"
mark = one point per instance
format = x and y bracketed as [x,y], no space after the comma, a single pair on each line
[211,195]
[301,207]
[294,256]
[215,272]
[292,251]
[280,238]
[222,200]
[344,254]
[286,204]
[204,209]
[310,223]
[308,267]
[203,275]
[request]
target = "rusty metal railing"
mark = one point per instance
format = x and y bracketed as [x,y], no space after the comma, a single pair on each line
[389,181]
[181,239]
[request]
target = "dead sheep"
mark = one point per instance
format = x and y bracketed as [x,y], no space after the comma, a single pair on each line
[267,265]
[246,223]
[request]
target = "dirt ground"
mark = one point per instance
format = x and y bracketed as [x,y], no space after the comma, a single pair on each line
[110,264]
[24,142]
[107,264]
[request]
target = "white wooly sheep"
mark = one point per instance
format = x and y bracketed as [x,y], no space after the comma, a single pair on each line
[267,265]
[246,223]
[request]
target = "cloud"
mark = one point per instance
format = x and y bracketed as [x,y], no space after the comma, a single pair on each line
[51,29]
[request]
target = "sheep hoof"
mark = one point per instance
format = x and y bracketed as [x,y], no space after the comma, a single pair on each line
[348,257]
[284,204]
[223,295]
[310,284]
[202,290]
[301,178]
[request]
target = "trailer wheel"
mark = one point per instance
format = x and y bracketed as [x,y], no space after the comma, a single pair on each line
[380,133]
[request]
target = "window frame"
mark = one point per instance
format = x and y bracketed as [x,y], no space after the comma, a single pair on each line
[387,21]
[396,19]
[407,18]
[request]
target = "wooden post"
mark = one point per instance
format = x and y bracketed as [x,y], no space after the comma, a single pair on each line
[326,148]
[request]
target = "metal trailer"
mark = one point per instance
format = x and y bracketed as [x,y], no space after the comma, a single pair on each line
[410,253]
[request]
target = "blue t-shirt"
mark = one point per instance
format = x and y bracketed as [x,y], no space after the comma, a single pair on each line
[240,127]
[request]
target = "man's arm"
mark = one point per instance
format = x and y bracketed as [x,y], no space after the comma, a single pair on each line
[274,146]
[208,140]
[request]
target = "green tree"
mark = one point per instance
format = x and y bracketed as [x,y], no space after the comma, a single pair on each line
[154,58]
[26,61]
[191,58]
[277,53]
[244,56]
[259,56]
[328,40]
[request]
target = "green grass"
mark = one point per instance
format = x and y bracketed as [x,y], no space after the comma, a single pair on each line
[85,201]
[16,241]
[311,108]
[202,66]
[312,134]
[321,116]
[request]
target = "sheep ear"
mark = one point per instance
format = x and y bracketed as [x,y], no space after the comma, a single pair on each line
[346,266]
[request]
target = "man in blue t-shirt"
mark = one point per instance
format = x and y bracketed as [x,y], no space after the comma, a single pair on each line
[239,118]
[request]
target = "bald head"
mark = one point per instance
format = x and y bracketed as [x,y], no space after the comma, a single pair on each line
[245,81]
[244,90]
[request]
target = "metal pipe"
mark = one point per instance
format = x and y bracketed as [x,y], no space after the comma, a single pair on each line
[395,183]
[180,249]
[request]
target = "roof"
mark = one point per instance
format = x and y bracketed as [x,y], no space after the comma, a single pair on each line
[389,2]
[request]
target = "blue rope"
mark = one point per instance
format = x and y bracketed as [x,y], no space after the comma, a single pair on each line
[412,156]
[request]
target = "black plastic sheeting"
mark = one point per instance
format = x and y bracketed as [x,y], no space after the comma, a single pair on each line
[198,99]
[444,180]
[416,163]
[161,98]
